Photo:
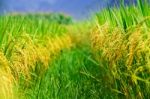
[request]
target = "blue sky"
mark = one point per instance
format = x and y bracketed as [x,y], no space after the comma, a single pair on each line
[75,8]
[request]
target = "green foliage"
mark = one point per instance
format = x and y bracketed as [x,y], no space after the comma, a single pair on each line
[67,77]
[125,16]
[50,17]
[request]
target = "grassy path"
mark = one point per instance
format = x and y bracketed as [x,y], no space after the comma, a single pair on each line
[68,77]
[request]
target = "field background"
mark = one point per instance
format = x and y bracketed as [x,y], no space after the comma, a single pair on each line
[51,56]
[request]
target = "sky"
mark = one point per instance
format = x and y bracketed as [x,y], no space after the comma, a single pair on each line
[74,8]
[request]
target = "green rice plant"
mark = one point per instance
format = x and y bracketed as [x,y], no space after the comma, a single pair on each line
[121,48]
[25,43]
[107,57]
[71,71]
[125,16]
[124,59]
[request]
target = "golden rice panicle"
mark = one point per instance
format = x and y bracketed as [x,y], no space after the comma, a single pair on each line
[95,39]
[110,43]
[23,56]
[67,41]
[52,48]
[133,42]
[26,53]
[6,79]
[43,55]
[3,61]
[138,48]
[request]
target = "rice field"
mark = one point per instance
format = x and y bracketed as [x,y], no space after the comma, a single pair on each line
[107,57]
